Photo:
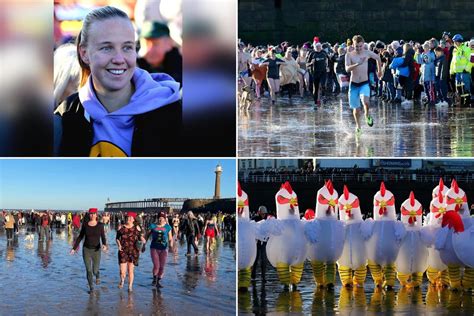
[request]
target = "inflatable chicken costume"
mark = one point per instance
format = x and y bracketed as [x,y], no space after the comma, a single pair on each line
[352,264]
[326,236]
[385,235]
[412,258]
[247,246]
[286,247]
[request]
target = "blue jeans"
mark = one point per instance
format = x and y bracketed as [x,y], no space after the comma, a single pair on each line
[389,89]
[464,78]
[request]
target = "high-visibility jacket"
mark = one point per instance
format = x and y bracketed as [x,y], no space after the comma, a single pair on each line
[461,60]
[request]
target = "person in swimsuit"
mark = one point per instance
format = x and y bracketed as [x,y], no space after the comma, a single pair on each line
[303,72]
[359,88]
[273,73]
[176,226]
[210,231]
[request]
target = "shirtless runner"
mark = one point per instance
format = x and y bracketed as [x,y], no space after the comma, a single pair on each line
[356,64]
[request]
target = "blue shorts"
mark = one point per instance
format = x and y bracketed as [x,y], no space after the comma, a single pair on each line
[357,90]
[244,74]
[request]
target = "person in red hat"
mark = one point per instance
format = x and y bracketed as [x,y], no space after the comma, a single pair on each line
[161,238]
[128,251]
[93,232]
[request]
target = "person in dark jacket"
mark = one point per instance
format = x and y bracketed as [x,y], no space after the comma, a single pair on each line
[158,52]
[408,61]
[441,76]
[261,258]
[317,63]
[192,231]
[120,110]
[387,78]
[93,233]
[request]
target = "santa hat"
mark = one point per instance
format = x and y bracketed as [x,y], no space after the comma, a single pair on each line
[315,40]
[131,214]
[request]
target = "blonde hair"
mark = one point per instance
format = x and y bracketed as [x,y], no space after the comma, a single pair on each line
[66,70]
[406,47]
[100,14]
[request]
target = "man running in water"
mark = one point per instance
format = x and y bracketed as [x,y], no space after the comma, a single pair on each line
[356,65]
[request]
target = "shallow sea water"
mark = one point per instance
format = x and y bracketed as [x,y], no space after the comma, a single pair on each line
[42,278]
[292,128]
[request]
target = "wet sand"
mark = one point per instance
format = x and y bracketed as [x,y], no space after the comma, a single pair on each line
[270,298]
[294,129]
[41,278]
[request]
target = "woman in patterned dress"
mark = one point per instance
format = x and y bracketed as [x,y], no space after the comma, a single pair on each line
[128,250]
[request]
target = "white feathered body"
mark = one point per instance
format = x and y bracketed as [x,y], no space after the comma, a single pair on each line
[354,253]
[330,240]
[289,246]
[413,254]
[383,245]
[247,244]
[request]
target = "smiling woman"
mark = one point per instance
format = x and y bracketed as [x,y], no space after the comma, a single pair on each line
[119,110]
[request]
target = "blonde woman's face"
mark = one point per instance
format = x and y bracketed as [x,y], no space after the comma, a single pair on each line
[110,54]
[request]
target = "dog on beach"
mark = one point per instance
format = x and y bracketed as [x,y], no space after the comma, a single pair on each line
[245,100]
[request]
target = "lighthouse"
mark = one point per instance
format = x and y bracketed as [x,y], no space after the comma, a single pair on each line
[217,188]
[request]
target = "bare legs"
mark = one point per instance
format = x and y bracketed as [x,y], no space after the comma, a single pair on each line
[131,275]
[274,86]
[355,112]
[124,268]
[123,273]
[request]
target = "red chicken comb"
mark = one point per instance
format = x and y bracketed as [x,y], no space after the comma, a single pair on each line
[441,184]
[330,187]
[440,196]
[287,187]
[239,189]
[382,189]
[346,192]
[454,185]
[412,198]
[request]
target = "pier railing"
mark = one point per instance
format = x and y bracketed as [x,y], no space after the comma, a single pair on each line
[367,177]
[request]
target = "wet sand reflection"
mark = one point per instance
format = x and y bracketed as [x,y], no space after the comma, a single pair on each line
[270,299]
[294,129]
[42,278]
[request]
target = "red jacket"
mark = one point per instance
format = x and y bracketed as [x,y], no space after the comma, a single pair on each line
[76,221]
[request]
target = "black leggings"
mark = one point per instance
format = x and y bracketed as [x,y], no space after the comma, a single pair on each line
[191,242]
[318,77]
[262,257]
